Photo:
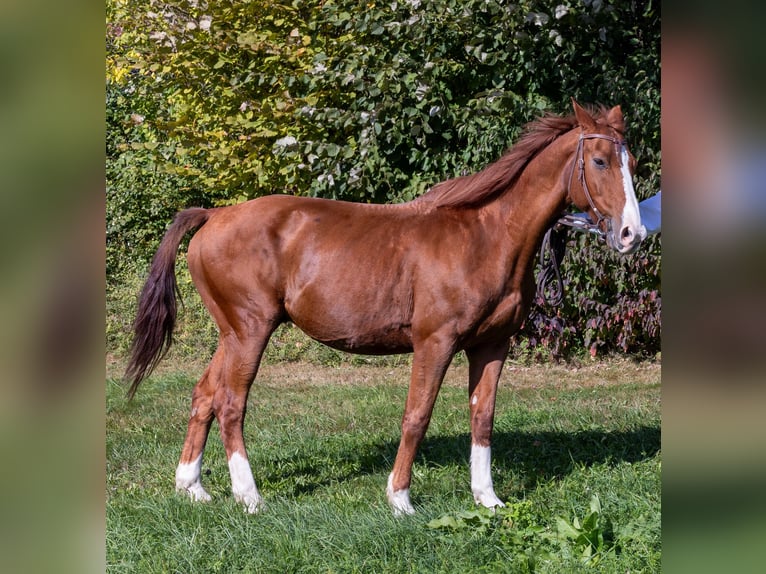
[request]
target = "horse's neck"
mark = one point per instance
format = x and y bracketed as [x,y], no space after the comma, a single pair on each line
[535,201]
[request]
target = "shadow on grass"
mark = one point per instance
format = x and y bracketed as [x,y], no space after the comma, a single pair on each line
[532,456]
[543,455]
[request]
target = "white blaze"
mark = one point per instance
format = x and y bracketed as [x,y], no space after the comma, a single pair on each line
[631,217]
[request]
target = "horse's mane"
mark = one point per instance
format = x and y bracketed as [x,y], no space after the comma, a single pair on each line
[482,186]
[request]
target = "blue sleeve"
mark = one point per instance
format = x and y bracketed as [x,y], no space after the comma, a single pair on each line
[651,213]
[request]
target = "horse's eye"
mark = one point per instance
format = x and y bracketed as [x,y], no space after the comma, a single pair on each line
[599,163]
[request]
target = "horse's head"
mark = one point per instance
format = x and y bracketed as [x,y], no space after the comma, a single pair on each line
[601,182]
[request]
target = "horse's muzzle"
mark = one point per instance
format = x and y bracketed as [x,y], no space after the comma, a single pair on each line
[627,239]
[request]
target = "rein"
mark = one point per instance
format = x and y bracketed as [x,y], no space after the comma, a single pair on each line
[550,286]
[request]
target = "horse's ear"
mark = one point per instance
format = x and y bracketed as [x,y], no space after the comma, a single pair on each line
[585,120]
[615,119]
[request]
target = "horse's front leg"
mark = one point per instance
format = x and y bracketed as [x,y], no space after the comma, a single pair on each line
[485,366]
[429,363]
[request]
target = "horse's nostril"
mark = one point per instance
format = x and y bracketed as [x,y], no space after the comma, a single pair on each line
[627,234]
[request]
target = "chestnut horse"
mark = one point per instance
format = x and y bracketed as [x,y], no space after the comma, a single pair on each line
[452,270]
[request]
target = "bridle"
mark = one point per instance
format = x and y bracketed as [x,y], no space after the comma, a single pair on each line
[579,164]
[550,287]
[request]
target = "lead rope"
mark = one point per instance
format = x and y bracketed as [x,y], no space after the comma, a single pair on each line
[550,286]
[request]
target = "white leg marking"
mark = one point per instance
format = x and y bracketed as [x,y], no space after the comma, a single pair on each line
[243,485]
[188,480]
[481,478]
[400,499]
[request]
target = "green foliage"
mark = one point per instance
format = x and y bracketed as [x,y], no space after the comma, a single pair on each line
[365,102]
[515,527]
[215,103]
[591,537]
[518,530]
[479,520]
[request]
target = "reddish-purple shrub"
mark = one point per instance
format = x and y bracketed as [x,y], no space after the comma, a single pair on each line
[611,304]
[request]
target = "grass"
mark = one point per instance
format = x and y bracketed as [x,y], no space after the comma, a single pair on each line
[322,441]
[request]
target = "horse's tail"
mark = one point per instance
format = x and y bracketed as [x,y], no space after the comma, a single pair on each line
[156,315]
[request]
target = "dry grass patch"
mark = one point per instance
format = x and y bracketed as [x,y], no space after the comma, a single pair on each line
[308,374]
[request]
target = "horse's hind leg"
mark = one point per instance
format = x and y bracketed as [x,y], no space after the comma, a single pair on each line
[189,468]
[222,392]
[242,359]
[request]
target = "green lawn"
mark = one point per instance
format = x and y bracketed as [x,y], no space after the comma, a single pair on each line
[322,441]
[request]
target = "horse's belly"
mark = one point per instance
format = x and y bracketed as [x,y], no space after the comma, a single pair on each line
[352,303]
[382,343]
[354,336]
[356,320]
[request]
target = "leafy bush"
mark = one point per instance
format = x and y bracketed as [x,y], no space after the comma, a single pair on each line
[364,101]
[215,103]
[611,304]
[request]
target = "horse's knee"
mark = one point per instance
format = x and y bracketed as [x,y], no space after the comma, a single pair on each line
[414,424]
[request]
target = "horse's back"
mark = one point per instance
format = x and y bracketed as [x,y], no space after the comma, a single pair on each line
[281,225]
